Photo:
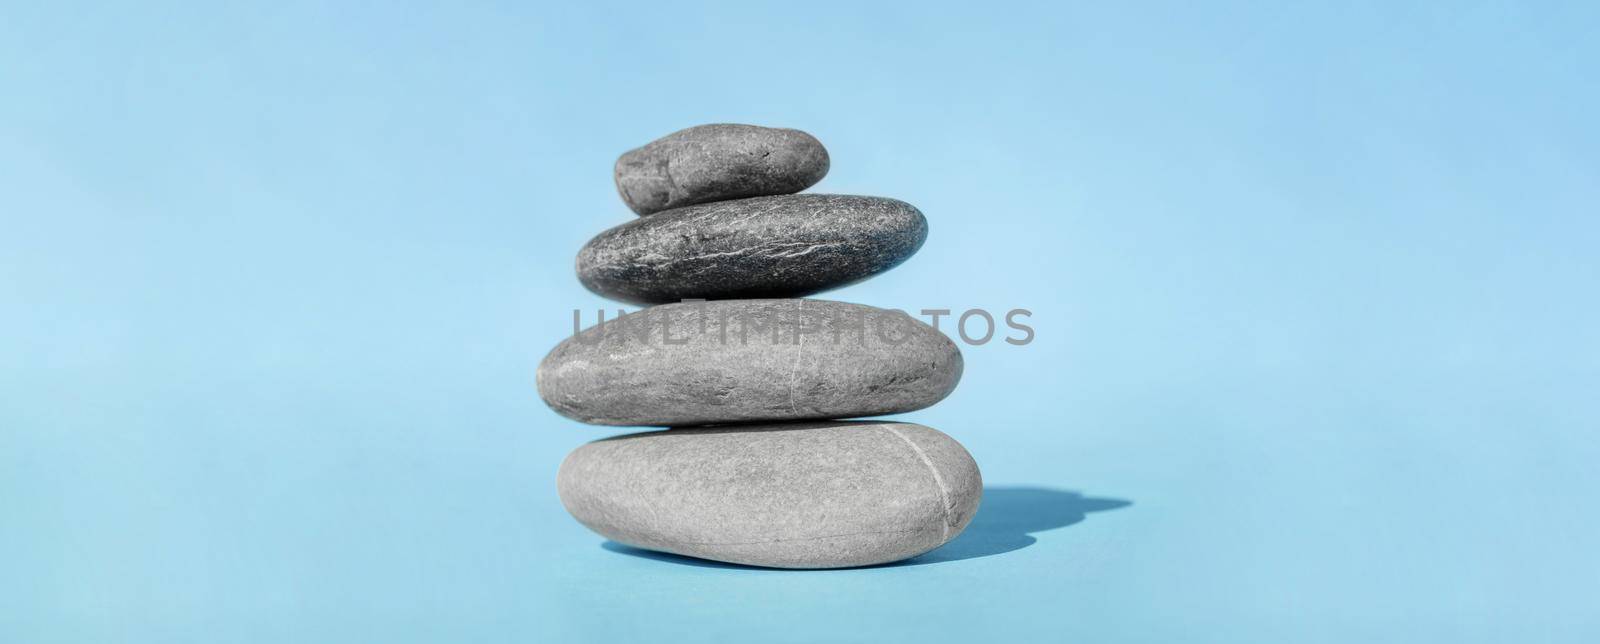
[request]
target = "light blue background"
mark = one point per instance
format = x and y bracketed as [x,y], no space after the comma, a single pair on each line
[1314,288]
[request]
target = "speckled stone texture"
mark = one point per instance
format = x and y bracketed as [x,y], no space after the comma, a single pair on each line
[784,246]
[794,495]
[729,361]
[709,163]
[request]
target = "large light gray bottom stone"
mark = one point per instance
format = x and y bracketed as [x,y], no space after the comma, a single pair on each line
[794,495]
[731,361]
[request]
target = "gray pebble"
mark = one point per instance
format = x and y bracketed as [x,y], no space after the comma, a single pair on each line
[795,495]
[784,246]
[715,162]
[729,361]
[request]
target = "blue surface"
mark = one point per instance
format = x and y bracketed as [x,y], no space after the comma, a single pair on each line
[1317,352]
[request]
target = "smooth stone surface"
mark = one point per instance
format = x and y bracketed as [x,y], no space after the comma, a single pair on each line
[795,495]
[784,246]
[716,162]
[728,361]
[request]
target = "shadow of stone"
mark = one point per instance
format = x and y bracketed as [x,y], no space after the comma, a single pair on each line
[1007,519]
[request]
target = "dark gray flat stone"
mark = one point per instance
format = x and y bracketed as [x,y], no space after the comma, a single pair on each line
[794,495]
[784,246]
[716,162]
[749,360]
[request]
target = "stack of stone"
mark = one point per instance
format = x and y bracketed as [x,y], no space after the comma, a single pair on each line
[757,469]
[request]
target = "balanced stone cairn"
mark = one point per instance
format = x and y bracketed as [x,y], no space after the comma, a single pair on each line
[757,468]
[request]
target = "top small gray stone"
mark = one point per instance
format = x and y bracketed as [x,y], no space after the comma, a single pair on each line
[715,162]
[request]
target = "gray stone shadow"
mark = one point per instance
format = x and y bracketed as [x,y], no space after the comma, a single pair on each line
[1007,519]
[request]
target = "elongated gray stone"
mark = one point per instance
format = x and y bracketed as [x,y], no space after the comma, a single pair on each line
[784,246]
[729,361]
[717,162]
[792,495]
